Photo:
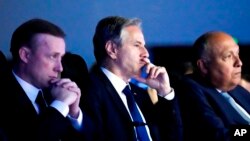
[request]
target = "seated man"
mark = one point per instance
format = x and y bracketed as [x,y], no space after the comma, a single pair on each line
[204,95]
[124,111]
[35,104]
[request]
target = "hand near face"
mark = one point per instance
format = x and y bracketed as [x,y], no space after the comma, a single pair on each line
[67,91]
[157,78]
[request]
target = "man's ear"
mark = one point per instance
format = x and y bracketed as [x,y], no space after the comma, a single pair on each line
[111,49]
[24,53]
[202,66]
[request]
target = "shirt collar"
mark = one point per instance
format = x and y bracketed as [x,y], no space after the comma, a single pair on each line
[116,81]
[218,90]
[30,90]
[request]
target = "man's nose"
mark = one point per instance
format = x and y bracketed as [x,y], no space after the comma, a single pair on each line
[145,52]
[238,62]
[59,67]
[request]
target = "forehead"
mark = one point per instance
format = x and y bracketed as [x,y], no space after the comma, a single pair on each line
[222,42]
[47,41]
[133,34]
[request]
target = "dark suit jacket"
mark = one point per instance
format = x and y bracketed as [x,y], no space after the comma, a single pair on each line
[205,111]
[4,64]
[20,121]
[113,120]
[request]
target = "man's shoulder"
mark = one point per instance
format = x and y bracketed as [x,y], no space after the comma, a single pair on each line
[239,90]
[8,80]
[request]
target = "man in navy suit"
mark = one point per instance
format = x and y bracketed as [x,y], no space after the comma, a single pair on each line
[37,47]
[3,64]
[205,110]
[120,52]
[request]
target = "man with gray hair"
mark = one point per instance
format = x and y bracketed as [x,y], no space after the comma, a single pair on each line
[122,110]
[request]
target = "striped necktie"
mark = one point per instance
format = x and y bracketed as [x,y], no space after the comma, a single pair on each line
[141,131]
[237,107]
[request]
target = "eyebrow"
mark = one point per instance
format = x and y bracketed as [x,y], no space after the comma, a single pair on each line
[139,42]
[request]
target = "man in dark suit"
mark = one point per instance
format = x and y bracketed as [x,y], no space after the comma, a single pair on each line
[3,64]
[120,53]
[37,47]
[204,95]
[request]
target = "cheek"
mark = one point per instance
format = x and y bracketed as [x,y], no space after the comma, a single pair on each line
[226,74]
[218,72]
[126,58]
[43,65]
[222,69]
[47,65]
[227,70]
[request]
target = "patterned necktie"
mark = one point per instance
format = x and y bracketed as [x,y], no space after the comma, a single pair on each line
[41,102]
[237,107]
[142,134]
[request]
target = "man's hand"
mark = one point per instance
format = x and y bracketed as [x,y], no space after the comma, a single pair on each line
[68,92]
[157,78]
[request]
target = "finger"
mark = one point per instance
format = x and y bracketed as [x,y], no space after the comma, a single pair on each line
[158,71]
[75,90]
[146,60]
[140,79]
[152,72]
[149,67]
[61,82]
[69,84]
[54,80]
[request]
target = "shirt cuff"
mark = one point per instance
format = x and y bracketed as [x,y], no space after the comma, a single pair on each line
[64,110]
[61,107]
[77,123]
[170,95]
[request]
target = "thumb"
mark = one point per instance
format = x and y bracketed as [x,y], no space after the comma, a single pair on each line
[140,79]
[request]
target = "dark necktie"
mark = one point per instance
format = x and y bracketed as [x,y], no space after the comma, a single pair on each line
[142,134]
[41,102]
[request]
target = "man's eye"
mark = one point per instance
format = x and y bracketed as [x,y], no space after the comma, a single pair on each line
[52,57]
[137,45]
[229,56]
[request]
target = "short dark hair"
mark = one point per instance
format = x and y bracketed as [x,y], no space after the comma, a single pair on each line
[199,46]
[24,34]
[109,28]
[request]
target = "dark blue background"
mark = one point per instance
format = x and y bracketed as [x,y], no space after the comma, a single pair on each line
[165,22]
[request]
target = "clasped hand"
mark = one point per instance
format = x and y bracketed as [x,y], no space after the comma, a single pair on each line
[67,92]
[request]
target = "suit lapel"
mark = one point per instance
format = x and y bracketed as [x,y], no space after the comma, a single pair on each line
[242,97]
[113,94]
[228,112]
[19,99]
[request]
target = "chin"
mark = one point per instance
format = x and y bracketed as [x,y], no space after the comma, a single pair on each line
[237,81]
[46,85]
[234,84]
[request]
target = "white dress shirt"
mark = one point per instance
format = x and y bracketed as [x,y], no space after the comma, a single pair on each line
[119,85]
